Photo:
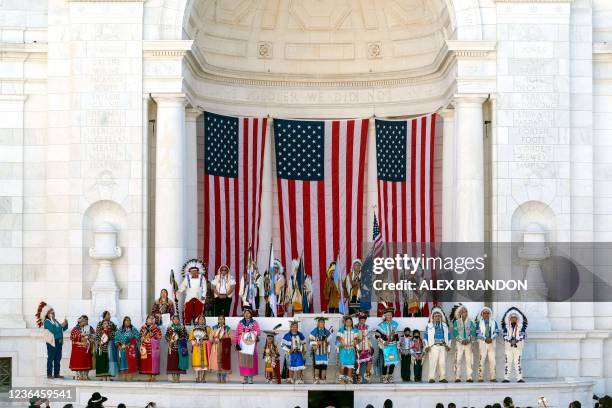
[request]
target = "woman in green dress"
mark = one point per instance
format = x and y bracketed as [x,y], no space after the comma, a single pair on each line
[104,335]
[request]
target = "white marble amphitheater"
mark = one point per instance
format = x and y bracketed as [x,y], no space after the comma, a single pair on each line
[101,138]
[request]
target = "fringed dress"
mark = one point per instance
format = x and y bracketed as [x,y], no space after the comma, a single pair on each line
[178,354]
[81,356]
[246,337]
[128,342]
[149,349]
[220,357]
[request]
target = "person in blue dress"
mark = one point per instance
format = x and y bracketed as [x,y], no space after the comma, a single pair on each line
[346,342]
[319,345]
[294,344]
[388,338]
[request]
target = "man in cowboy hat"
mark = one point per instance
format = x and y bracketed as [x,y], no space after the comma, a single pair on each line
[437,343]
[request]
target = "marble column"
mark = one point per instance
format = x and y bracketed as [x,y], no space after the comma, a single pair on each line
[170,178]
[267,204]
[448,174]
[191,181]
[468,200]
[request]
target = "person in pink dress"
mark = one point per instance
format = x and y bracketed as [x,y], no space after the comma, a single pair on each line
[245,340]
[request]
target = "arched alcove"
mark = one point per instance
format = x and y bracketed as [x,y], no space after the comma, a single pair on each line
[105,211]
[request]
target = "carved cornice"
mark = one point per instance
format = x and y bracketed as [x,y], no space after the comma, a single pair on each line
[200,69]
[471,49]
[166,48]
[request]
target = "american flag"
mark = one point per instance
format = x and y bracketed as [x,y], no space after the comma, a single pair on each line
[320,169]
[365,303]
[234,152]
[405,159]
[405,162]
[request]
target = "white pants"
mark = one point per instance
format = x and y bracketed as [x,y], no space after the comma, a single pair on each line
[464,351]
[513,360]
[486,350]
[437,362]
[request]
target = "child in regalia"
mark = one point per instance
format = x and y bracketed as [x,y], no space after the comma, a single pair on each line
[127,339]
[405,345]
[199,336]
[294,344]
[178,354]
[82,338]
[416,350]
[319,343]
[346,341]
[271,357]
[365,351]
[388,337]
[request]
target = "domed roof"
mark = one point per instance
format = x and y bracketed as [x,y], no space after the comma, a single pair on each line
[320,38]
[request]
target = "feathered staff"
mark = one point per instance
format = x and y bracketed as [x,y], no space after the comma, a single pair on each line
[174,286]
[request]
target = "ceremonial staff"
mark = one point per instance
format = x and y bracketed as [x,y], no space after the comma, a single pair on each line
[174,286]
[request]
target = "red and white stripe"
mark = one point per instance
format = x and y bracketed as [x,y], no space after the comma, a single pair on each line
[232,205]
[406,209]
[324,219]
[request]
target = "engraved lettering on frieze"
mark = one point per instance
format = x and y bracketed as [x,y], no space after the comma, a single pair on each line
[532,66]
[104,118]
[533,153]
[532,119]
[115,135]
[533,84]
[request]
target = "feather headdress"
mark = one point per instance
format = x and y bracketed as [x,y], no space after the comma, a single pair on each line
[193,263]
[454,314]
[41,313]
[437,309]
[521,323]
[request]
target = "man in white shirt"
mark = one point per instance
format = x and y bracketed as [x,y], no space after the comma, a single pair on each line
[223,289]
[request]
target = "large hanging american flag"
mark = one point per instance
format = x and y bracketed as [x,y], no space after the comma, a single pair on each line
[320,176]
[234,153]
[405,160]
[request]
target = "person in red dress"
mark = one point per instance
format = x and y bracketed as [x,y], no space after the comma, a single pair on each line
[150,336]
[82,337]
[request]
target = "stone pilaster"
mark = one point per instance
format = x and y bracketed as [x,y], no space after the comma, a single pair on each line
[170,185]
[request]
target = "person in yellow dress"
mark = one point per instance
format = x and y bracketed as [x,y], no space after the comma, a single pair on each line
[199,339]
